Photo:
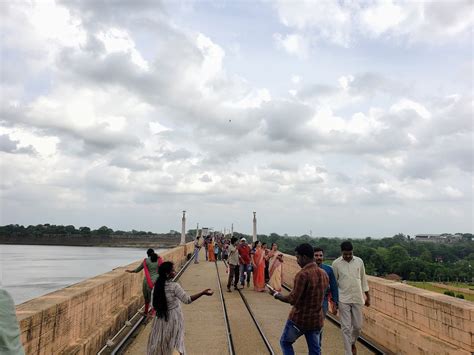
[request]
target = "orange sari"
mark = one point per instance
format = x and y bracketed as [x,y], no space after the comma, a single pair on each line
[259,270]
[210,252]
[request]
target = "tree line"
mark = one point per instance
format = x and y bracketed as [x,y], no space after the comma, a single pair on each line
[51,229]
[400,255]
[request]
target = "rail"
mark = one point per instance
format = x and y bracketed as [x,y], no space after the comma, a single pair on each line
[254,319]
[230,342]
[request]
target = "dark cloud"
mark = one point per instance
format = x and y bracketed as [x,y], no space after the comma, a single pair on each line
[129,162]
[9,145]
[205,178]
[370,84]
[317,91]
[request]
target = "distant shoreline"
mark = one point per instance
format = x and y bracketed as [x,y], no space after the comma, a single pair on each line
[165,241]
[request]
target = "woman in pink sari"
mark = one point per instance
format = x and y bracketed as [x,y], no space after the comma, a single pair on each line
[275,267]
[258,263]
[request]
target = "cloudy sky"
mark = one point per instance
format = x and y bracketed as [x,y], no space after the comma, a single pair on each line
[344,118]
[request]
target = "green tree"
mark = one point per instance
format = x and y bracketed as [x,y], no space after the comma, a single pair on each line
[426,256]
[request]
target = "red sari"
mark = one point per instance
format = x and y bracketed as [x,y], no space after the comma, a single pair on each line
[259,270]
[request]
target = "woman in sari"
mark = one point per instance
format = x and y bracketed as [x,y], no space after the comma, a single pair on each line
[258,264]
[150,267]
[275,267]
[167,331]
[210,251]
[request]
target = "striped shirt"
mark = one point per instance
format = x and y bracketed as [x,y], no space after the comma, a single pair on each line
[307,297]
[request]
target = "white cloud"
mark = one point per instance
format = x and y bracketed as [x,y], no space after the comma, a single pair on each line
[293,44]
[329,20]
[452,192]
[381,17]
[343,23]
[121,104]
[117,40]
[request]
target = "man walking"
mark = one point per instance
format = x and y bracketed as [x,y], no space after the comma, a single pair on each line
[306,315]
[233,260]
[349,271]
[244,261]
[197,247]
[331,290]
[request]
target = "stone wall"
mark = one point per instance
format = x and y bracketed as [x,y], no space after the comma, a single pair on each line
[408,320]
[80,318]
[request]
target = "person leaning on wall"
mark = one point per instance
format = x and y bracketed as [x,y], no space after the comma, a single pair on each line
[10,343]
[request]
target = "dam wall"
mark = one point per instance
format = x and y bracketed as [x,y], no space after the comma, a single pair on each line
[79,319]
[406,320]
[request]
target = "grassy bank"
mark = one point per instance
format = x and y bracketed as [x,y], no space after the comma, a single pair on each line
[430,287]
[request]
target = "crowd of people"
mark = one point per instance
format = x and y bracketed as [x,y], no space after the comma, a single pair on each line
[246,262]
[318,289]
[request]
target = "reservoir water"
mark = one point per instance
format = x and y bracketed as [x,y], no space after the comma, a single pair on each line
[29,271]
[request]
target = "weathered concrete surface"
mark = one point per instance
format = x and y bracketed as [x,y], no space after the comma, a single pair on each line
[408,320]
[79,319]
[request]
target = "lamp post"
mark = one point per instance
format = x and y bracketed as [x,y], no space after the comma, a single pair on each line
[254,236]
[183,229]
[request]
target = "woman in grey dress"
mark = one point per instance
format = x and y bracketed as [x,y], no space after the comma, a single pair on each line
[167,331]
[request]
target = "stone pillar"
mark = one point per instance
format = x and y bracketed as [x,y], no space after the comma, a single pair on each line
[197,230]
[183,229]
[254,226]
[232,230]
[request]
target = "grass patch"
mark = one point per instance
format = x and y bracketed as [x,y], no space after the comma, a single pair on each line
[429,287]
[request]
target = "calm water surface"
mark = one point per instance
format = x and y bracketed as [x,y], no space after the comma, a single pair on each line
[29,271]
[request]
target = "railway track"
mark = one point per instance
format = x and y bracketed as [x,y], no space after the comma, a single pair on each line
[241,329]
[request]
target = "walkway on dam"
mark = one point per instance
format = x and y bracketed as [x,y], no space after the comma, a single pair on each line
[205,326]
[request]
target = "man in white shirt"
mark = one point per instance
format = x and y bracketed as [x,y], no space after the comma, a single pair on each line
[349,271]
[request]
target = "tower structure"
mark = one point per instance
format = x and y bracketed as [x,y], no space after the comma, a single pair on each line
[254,226]
[183,229]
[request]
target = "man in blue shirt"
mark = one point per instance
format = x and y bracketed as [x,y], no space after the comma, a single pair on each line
[332,289]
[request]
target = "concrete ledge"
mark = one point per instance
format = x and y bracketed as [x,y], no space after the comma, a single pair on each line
[80,318]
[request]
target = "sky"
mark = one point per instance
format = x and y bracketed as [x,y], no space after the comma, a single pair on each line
[327,118]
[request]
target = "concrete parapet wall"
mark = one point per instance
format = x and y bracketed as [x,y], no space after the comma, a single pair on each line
[80,318]
[408,320]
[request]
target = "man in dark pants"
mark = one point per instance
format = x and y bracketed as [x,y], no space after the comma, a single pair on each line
[306,316]
[244,261]
[233,260]
[331,290]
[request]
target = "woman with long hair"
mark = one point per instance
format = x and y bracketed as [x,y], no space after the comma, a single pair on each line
[258,266]
[150,267]
[167,332]
[275,267]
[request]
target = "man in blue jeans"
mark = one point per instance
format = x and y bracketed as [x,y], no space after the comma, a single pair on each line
[331,290]
[306,316]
